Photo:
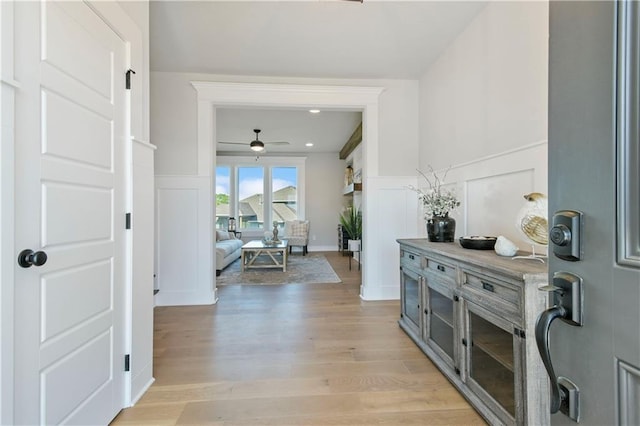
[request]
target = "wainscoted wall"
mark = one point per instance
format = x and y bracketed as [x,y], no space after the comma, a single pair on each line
[391,208]
[491,191]
[184,258]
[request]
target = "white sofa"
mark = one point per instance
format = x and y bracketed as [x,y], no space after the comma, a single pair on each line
[228,249]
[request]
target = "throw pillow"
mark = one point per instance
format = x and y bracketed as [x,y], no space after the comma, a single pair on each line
[222,235]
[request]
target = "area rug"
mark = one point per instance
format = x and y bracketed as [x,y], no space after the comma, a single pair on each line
[310,269]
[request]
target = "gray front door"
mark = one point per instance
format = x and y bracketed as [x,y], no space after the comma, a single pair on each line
[594,49]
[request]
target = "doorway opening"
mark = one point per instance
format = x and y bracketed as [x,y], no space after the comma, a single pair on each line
[212,95]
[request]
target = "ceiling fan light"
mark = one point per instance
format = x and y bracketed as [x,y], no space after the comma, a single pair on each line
[256,146]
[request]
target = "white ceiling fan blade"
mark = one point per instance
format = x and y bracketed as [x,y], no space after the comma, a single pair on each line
[233,143]
[276,143]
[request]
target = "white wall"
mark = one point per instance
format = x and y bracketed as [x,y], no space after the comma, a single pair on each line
[483,110]
[182,162]
[324,199]
[174,123]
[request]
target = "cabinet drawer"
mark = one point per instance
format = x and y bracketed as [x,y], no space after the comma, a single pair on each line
[411,259]
[442,270]
[493,288]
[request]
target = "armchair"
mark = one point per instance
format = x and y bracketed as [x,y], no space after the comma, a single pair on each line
[297,233]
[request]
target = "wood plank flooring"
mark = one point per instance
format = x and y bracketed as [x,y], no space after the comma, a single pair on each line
[293,354]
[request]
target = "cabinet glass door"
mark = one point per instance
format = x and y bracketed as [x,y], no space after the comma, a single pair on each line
[440,321]
[411,297]
[491,360]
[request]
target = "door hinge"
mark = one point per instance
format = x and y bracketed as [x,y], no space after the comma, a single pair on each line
[128,79]
[127,221]
[464,342]
[519,333]
[456,298]
[127,362]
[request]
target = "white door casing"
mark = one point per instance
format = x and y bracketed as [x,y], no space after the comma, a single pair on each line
[70,200]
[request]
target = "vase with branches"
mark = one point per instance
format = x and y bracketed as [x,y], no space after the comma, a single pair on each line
[437,202]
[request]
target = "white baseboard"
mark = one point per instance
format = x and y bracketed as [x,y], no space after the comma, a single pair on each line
[165,298]
[143,390]
[380,293]
[322,248]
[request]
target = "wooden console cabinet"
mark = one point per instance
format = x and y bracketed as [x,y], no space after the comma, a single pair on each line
[473,314]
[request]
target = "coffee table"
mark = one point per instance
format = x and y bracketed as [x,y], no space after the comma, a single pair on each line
[276,252]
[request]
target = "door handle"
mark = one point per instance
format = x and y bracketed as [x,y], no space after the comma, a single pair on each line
[567,305]
[28,258]
[542,340]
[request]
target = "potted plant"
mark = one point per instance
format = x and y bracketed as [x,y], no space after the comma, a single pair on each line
[351,222]
[437,203]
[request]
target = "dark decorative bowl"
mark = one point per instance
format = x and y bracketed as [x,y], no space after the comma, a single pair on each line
[478,243]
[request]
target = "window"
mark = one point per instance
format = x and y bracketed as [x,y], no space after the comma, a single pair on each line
[250,197]
[284,200]
[258,195]
[223,191]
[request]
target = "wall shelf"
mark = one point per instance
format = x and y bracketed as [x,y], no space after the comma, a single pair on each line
[351,188]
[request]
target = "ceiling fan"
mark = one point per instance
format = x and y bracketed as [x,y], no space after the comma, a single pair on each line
[256,145]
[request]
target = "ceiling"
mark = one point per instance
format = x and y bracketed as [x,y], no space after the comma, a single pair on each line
[302,38]
[327,130]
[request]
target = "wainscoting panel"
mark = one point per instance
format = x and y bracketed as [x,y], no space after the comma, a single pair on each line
[491,191]
[391,208]
[184,243]
[484,195]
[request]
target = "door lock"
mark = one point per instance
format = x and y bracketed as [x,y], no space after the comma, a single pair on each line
[565,234]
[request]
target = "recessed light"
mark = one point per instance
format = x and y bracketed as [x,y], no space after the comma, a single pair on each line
[308,144]
[314,111]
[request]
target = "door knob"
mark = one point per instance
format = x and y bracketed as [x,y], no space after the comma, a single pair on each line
[28,258]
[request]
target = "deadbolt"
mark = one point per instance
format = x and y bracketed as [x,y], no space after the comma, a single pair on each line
[565,234]
[560,235]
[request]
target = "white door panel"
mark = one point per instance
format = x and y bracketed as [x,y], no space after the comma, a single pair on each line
[75,132]
[93,360]
[71,131]
[89,283]
[78,42]
[75,213]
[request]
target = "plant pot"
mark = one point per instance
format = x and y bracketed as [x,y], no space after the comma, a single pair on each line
[353,245]
[441,229]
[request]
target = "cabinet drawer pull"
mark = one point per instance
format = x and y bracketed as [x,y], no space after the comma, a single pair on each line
[441,268]
[487,286]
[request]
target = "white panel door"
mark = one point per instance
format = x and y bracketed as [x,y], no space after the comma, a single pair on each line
[70,115]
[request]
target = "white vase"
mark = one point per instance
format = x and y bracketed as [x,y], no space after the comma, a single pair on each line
[353,245]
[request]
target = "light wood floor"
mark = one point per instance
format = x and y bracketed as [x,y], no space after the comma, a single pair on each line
[293,355]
